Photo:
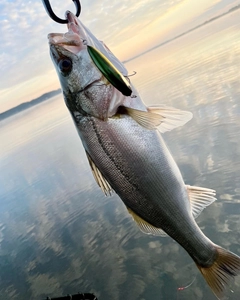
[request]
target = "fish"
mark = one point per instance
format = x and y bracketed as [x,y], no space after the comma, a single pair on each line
[123,141]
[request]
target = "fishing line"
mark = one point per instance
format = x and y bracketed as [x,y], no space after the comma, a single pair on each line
[185,287]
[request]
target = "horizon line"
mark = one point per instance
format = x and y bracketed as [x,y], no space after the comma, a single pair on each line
[182,34]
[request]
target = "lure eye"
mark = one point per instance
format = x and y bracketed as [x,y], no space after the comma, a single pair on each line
[65,66]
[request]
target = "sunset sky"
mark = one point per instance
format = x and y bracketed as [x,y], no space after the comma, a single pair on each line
[128,27]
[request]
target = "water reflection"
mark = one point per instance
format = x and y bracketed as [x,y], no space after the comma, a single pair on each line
[59,234]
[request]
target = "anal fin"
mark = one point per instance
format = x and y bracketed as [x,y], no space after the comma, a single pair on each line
[101,181]
[200,198]
[145,227]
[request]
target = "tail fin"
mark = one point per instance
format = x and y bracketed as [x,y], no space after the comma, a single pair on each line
[219,275]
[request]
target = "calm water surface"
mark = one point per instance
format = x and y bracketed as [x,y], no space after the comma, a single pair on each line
[59,234]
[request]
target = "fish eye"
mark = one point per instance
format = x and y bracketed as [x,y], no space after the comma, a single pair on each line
[65,66]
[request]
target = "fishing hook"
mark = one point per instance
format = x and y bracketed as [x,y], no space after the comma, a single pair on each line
[55,18]
[134,73]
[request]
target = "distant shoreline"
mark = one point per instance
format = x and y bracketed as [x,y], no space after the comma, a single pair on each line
[25,105]
[184,33]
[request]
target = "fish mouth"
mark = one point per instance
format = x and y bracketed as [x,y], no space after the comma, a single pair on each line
[74,40]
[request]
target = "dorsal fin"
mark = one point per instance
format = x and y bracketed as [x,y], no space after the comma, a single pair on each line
[200,198]
[101,181]
[164,118]
[144,226]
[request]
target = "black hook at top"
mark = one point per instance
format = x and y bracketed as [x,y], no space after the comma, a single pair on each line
[56,18]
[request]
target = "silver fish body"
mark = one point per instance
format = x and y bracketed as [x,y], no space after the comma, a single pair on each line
[138,166]
[127,153]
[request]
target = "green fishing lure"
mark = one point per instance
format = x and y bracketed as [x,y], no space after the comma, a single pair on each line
[109,71]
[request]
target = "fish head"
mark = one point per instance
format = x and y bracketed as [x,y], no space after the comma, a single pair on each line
[84,86]
[70,58]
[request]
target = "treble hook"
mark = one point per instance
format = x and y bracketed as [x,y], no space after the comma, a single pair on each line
[56,18]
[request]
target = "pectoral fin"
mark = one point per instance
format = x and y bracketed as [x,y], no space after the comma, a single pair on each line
[200,198]
[144,118]
[145,227]
[164,118]
[101,181]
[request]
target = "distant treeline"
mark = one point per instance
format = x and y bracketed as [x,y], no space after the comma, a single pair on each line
[28,104]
